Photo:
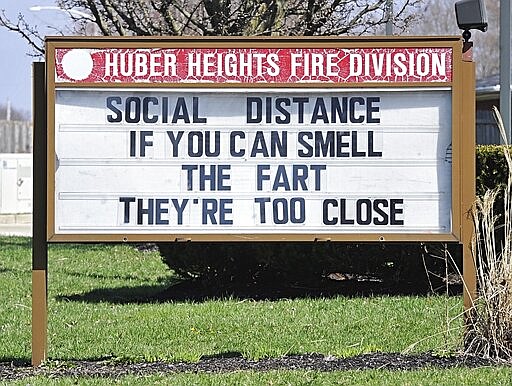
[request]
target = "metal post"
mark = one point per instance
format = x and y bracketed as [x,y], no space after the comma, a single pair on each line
[39,244]
[468,181]
[505,66]
[389,18]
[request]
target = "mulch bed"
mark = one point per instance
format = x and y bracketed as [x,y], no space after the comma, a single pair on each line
[110,369]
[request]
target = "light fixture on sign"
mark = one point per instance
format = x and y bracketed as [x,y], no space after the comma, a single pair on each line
[470,15]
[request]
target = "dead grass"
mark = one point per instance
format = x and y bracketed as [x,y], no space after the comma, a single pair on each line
[489,333]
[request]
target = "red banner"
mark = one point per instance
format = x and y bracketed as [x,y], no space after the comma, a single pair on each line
[254,65]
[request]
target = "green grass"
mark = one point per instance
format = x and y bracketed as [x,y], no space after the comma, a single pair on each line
[492,376]
[340,327]
[95,312]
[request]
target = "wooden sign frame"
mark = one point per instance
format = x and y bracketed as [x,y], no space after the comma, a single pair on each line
[55,46]
[462,85]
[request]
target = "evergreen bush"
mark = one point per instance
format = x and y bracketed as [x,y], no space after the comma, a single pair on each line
[227,264]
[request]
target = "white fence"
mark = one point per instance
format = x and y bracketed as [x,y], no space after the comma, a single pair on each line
[15,136]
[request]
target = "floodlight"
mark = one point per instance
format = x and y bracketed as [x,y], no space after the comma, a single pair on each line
[471,15]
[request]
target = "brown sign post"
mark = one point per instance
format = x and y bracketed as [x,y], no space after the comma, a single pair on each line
[39,242]
[468,178]
[253,139]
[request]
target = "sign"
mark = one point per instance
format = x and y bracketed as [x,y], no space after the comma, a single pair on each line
[253,139]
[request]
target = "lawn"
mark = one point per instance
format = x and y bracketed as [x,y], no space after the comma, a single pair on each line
[97,310]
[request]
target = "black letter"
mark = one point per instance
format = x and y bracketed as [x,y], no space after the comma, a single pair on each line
[141,211]
[232,149]
[326,204]
[145,110]
[377,208]
[356,153]
[370,109]
[300,102]
[128,110]
[371,152]
[126,201]
[195,111]
[343,213]
[319,111]
[110,104]
[259,106]
[353,102]
[394,211]
[282,110]
[180,111]
[144,143]
[309,149]
[132,143]
[359,205]
[160,210]
[337,110]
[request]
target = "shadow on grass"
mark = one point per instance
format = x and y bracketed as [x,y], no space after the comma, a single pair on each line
[194,291]
[270,289]
[94,275]
[119,295]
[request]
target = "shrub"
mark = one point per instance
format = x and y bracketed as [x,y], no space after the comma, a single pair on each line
[491,168]
[226,265]
[236,264]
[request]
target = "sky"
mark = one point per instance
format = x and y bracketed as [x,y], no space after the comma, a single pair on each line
[15,64]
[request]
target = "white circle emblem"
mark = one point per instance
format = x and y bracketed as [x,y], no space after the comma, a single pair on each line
[77,64]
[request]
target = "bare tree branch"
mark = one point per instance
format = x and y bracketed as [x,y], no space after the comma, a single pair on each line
[225,17]
[30,34]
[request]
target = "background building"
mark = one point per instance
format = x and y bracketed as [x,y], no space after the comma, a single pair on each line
[487,96]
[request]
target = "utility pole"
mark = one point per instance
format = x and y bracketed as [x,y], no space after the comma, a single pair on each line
[505,66]
[389,18]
